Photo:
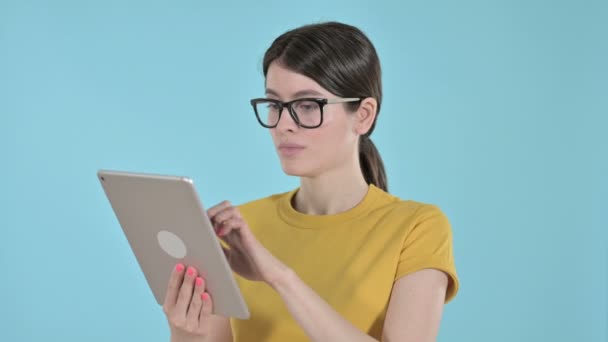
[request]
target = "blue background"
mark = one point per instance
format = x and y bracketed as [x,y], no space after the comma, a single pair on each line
[495,111]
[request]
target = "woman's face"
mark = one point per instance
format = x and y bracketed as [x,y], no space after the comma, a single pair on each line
[309,152]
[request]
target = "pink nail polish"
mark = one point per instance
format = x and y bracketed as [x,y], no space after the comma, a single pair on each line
[179,268]
[205,296]
[190,271]
[199,281]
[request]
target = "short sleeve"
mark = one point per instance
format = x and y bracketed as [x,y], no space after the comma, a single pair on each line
[428,244]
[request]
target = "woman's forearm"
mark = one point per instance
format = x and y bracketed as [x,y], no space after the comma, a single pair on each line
[316,317]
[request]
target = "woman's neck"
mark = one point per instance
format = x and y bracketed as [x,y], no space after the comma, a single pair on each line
[333,192]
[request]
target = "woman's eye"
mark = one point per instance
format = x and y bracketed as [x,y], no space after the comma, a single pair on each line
[307,107]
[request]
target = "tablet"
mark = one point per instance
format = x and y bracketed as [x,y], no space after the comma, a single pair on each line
[165,224]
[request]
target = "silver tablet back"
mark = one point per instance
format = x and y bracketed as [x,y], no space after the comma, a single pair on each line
[165,223]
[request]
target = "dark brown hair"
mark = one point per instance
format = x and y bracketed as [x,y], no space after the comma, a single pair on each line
[341,59]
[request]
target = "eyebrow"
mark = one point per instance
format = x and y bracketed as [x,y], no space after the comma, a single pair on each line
[301,93]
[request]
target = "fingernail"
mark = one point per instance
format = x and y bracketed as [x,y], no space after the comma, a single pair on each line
[204,296]
[199,281]
[190,271]
[179,268]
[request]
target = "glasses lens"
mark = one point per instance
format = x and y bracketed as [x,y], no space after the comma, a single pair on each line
[268,112]
[308,112]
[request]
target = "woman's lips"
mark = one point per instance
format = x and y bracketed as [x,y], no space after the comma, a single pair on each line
[289,150]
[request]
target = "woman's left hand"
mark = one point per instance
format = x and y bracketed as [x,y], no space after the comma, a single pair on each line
[245,254]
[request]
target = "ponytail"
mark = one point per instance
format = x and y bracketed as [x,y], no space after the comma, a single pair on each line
[371,163]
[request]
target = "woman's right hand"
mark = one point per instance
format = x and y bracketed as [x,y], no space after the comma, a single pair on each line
[187,306]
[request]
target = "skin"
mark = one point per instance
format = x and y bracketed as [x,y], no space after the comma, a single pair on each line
[331,181]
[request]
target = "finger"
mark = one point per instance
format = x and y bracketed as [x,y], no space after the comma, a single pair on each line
[234,223]
[207,307]
[194,310]
[185,293]
[226,214]
[211,212]
[175,281]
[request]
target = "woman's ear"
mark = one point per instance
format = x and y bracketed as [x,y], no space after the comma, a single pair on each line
[366,114]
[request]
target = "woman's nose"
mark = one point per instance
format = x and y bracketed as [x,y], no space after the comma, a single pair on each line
[286,121]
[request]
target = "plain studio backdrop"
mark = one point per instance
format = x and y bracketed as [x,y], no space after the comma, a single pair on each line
[496,111]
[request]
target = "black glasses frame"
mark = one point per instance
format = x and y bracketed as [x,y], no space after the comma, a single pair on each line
[321,102]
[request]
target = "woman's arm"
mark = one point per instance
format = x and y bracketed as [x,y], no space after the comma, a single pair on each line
[414,310]
[416,307]
[220,329]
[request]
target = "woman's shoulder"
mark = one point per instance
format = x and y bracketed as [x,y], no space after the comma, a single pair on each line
[394,202]
[263,203]
[396,205]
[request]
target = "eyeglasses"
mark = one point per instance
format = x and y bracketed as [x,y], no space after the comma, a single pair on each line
[306,112]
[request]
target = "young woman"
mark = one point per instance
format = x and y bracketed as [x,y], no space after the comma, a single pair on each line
[338,258]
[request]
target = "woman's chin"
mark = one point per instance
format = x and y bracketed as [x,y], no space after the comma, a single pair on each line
[292,172]
[292,169]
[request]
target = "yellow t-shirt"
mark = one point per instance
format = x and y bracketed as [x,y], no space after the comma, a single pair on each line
[350,259]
